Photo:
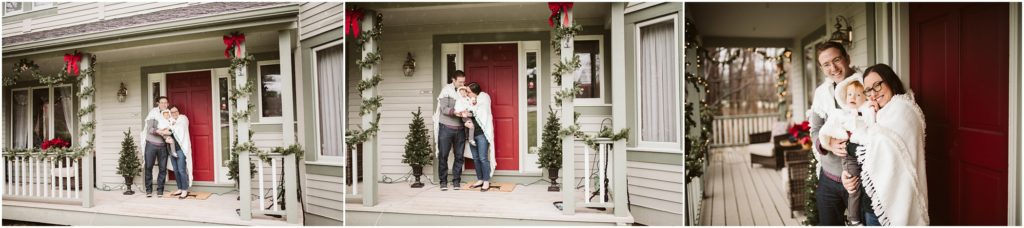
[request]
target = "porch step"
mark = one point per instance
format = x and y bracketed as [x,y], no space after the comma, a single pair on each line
[526,205]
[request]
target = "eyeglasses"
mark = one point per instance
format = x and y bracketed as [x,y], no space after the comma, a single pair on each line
[875,88]
[829,64]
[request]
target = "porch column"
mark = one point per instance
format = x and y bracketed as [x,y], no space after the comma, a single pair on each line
[619,109]
[370,154]
[568,114]
[244,177]
[284,50]
[86,137]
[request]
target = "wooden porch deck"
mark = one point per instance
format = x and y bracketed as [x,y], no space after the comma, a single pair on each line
[526,205]
[113,208]
[741,195]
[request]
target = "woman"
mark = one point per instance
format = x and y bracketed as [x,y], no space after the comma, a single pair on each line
[483,151]
[891,152]
[182,163]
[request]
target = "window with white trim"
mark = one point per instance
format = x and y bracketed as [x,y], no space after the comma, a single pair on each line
[271,87]
[329,77]
[658,83]
[590,75]
[42,113]
[12,8]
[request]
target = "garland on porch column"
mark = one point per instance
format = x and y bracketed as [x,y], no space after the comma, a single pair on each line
[88,128]
[369,104]
[696,146]
[239,58]
[567,28]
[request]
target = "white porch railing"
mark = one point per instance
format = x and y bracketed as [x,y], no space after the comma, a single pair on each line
[281,167]
[606,166]
[48,178]
[736,129]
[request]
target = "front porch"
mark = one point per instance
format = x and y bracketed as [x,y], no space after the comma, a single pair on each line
[740,194]
[113,208]
[526,205]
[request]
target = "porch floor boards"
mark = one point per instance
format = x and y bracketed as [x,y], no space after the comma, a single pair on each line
[741,195]
[531,202]
[218,209]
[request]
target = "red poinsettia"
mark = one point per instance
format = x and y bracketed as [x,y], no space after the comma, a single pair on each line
[55,143]
[801,132]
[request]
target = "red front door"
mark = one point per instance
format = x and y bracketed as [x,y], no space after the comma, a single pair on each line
[959,71]
[191,92]
[494,67]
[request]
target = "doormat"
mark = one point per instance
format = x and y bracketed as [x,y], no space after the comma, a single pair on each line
[191,195]
[495,187]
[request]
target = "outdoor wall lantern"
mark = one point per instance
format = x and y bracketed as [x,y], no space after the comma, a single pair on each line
[122,93]
[410,65]
[842,35]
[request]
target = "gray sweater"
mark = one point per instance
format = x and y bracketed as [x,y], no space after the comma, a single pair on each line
[448,117]
[830,163]
[152,136]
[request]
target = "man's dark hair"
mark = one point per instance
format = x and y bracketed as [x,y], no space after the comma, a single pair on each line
[459,74]
[473,87]
[821,47]
[162,98]
[889,77]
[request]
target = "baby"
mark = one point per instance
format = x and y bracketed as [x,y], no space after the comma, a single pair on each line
[856,112]
[466,103]
[165,124]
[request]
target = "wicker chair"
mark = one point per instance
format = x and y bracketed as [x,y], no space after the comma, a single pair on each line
[798,162]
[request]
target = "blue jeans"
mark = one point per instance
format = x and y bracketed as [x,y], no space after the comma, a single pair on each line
[180,165]
[831,199]
[480,158]
[871,220]
[155,154]
[449,139]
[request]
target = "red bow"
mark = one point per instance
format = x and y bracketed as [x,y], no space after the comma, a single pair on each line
[559,7]
[352,19]
[71,61]
[233,41]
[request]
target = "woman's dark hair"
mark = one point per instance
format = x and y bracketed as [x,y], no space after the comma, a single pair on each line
[889,77]
[821,47]
[475,88]
[169,107]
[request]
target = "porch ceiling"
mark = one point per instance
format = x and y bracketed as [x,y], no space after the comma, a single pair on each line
[206,45]
[403,14]
[757,20]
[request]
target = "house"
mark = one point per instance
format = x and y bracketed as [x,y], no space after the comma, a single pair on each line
[961,60]
[131,53]
[507,49]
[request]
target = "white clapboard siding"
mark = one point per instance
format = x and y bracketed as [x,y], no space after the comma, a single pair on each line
[856,14]
[319,17]
[325,196]
[658,187]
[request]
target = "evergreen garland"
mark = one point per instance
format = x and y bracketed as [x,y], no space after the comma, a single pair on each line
[810,204]
[368,61]
[696,146]
[418,151]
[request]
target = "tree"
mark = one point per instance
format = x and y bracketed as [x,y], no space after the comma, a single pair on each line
[128,163]
[551,147]
[417,143]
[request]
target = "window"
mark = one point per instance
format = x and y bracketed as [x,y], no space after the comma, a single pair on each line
[12,8]
[590,75]
[41,5]
[329,80]
[271,87]
[658,83]
[42,113]
[532,83]
[223,107]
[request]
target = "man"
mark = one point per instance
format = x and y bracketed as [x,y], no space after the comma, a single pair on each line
[155,149]
[449,132]
[830,195]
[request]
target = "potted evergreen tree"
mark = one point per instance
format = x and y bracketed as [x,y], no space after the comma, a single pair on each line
[128,163]
[417,147]
[551,149]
